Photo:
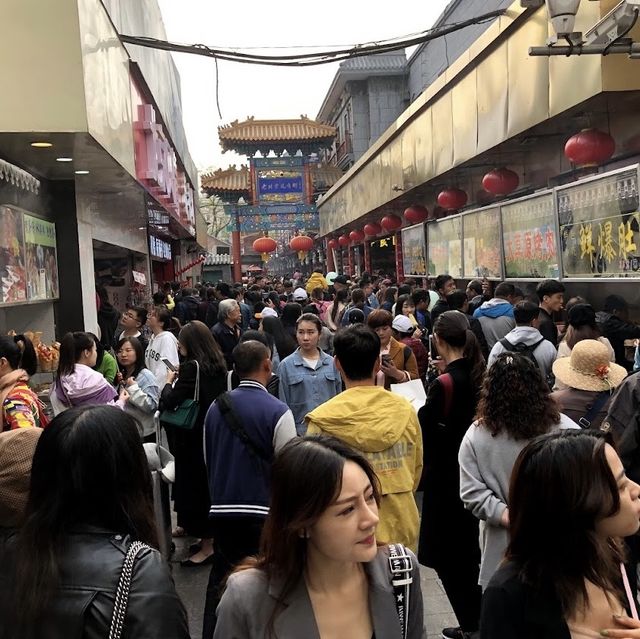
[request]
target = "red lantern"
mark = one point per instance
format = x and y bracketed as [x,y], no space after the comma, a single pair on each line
[452,199]
[416,214]
[590,147]
[264,246]
[372,229]
[500,181]
[391,222]
[333,243]
[302,244]
[356,236]
[343,240]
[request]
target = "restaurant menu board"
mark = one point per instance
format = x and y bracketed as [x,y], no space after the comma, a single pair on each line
[414,251]
[529,238]
[12,270]
[600,227]
[41,259]
[481,232]
[445,247]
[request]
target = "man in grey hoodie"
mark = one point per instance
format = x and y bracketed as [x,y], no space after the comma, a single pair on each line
[526,333]
[496,315]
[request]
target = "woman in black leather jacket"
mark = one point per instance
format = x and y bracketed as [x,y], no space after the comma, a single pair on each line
[91,496]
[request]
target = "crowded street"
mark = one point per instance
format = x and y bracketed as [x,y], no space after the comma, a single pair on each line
[320,322]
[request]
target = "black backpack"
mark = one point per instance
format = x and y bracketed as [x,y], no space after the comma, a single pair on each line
[522,349]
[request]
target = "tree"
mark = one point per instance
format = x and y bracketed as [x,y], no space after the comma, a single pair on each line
[215,216]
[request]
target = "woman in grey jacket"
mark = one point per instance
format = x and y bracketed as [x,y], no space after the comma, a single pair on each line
[515,406]
[320,572]
[141,385]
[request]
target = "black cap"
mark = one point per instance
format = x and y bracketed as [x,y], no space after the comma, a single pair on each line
[341,279]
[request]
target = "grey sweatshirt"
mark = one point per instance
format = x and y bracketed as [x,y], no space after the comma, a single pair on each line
[486,463]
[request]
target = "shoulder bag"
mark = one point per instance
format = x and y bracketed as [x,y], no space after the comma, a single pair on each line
[400,569]
[122,591]
[184,415]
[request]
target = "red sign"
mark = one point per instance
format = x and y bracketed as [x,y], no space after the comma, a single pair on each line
[156,164]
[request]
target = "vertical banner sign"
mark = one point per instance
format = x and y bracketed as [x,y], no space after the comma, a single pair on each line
[600,227]
[12,271]
[481,233]
[444,247]
[529,237]
[41,258]
[414,251]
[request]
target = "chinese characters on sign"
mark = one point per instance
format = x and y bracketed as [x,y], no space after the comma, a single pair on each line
[274,217]
[41,258]
[528,234]
[414,251]
[280,186]
[444,241]
[481,231]
[600,227]
[159,249]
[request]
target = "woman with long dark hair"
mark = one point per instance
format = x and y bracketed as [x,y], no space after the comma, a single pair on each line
[389,298]
[333,314]
[141,385]
[515,406]
[449,410]
[76,383]
[283,342]
[290,314]
[319,572]
[20,406]
[91,497]
[202,360]
[570,504]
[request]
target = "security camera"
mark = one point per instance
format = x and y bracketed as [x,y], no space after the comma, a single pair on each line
[615,24]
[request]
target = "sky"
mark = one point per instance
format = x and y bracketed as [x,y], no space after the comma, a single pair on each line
[270,92]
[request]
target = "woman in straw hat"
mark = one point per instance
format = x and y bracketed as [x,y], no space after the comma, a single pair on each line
[589,378]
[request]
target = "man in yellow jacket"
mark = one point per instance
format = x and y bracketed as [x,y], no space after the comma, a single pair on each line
[316,281]
[381,425]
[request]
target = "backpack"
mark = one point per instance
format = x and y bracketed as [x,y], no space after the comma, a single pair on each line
[522,349]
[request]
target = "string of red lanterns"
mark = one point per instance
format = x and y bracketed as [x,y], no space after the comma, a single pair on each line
[416,213]
[589,147]
[201,259]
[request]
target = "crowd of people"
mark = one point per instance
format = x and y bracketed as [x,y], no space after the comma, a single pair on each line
[308,483]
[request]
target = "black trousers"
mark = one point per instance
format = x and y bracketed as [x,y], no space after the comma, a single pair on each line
[460,582]
[234,538]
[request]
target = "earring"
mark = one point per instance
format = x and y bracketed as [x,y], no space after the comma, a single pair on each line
[303,534]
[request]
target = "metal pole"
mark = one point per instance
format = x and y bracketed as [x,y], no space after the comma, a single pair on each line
[630,48]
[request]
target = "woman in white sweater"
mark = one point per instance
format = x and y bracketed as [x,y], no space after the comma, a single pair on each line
[514,407]
[162,345]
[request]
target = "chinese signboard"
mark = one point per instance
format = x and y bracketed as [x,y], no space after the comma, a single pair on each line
[600,227]
[274,217]
[280,186]
[481,232]
[414,251]
[445,247]
[41,258]
[159,249]
[529,238]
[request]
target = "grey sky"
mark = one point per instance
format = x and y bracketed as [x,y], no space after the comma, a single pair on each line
[269,92]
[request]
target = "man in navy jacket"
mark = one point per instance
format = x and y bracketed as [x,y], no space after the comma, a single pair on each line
[242,432]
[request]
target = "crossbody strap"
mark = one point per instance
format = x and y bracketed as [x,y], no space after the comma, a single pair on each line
[196,393]
[231,419]
[401,568]
[122,591]
[599,402]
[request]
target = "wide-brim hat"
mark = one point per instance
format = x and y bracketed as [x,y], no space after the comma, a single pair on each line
[588,368]
[16,455]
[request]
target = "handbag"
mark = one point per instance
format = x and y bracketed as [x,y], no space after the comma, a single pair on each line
[184,415]
[122,591]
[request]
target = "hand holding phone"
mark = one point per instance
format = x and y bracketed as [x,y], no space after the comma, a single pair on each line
[169,365]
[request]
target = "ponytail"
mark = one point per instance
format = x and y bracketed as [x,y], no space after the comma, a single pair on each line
[473,354]
[71,348]
[19,352]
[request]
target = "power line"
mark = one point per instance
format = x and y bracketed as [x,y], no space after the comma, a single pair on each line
[308,59]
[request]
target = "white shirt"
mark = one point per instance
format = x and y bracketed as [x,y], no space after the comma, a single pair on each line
[164,345]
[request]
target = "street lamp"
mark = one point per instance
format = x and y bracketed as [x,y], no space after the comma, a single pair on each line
[562,14]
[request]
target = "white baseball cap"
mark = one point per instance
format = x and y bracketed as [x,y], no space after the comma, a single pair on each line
[300,294]
[402,324]
[268,312]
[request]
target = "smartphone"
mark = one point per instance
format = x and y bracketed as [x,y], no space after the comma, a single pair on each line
[386,360]
[433,351]
[169,365]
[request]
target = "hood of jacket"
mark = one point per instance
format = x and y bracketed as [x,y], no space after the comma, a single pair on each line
[496,307]
[368,418]
[316,280]
[524,334]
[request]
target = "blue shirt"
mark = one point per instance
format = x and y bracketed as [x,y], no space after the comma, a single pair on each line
[304,388]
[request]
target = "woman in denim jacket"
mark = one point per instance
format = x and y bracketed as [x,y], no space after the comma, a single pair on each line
[308,377]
